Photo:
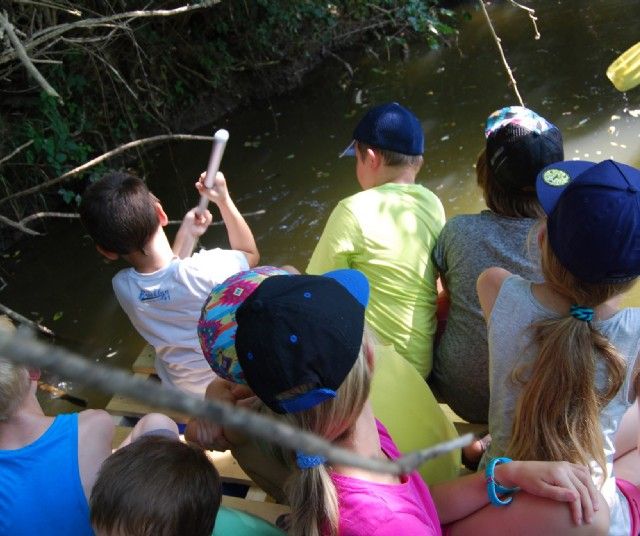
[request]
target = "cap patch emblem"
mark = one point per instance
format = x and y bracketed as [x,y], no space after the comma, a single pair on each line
[238,291]
[556,177]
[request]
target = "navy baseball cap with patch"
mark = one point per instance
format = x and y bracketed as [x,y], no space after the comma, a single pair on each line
[593,218]
[391,127]
[519,144]
[299,336]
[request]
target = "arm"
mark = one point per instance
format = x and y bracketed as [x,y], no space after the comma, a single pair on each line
[488,286]
[558,481]
[193,226]
[95,435]
[338,243]
[210,435]
[238,231]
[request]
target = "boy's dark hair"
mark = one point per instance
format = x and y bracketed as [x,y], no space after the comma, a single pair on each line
[156,486]
[512,205]
[119,213]
[391,158]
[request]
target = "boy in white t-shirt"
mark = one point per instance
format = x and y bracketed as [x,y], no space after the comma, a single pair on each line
[163,291]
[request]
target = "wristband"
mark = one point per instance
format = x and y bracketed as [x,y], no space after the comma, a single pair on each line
[493,488]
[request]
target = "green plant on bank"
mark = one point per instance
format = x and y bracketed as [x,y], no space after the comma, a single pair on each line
[121,82]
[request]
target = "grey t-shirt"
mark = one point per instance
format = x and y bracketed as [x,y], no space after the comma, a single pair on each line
[511,346]
[468,245]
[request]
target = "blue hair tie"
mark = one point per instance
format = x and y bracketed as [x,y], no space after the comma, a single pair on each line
[581,313]
[305,461]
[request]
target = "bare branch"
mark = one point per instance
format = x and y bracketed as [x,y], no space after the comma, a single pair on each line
[55,31]
[532,15]
[52,5]
[15,152]
[39,215]
[99,159]
[22,55]
[502,56]
[24,349]
[16,225]
[24,320]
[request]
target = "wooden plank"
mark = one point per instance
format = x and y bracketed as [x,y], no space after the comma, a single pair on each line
[265,510]
[145,362]
[254,493]
[122,405]
[229,469]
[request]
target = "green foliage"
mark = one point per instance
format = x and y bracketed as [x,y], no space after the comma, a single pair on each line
[119,85]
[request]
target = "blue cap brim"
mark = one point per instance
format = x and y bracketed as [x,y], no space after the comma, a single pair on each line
[354,281]
[349,151]
[553,179]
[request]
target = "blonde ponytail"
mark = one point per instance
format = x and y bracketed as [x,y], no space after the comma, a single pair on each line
[557,416]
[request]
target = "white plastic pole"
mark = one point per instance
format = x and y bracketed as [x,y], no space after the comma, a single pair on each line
[220,139]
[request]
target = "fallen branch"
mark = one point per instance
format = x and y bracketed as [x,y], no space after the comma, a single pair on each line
[22,55]
[16,225]
[532,15]
[502,56]
[22,348]
[99,159]
[13,315]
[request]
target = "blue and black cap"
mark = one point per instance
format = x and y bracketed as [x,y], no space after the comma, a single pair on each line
[298,337]
[593,218]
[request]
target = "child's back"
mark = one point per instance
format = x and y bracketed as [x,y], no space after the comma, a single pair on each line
[163,291]
[519,144]
[388,232]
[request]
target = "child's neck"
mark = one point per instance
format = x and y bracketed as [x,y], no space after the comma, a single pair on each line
[157,254]
[26,425]
[555,301]
[365,440]
[395,175]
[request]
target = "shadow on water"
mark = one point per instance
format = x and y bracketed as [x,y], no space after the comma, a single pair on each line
[282,153]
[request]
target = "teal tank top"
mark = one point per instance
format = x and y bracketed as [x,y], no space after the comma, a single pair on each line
[40,487]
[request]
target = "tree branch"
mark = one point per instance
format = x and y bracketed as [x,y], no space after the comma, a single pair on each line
[22,55]
[96,161]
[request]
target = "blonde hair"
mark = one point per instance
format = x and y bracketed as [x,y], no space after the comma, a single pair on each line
[311,492]
[14,381]
[557,413]
[392,158]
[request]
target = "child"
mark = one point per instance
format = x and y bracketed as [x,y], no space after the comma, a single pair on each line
[163,291]
[519,143]
[159,485]
[388,231]
[48,464]
[300,344]
[563,357]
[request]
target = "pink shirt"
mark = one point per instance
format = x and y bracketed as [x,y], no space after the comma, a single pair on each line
[373,509]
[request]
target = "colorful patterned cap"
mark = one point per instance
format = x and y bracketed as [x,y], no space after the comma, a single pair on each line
[519,144]
[217,325]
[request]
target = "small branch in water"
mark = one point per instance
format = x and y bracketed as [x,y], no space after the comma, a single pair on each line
[13,315]
[346,64]
[502,56]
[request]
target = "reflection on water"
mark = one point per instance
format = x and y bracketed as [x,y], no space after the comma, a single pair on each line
[282,154]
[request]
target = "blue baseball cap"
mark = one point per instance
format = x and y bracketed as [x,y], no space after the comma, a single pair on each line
[391,127]
[593,218]
[301,332]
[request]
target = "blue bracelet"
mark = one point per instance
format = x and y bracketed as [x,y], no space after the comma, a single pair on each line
[493,488]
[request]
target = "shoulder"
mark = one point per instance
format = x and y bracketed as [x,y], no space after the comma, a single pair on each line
[488,286]
[95,424]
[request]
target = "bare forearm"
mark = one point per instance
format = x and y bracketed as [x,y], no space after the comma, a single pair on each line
[183,243]
[240,235]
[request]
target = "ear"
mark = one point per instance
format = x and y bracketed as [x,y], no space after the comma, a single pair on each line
[374,158]
[108,254]
[163,219]
[369,355]
[542,234]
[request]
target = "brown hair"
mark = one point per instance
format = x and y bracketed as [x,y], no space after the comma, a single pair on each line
[557,413]
[119,213]
[512,205]
[391,158]
[156,486]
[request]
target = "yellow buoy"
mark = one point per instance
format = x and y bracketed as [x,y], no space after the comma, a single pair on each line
[624,72]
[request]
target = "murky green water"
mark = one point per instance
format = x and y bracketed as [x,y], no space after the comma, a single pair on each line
[282,154]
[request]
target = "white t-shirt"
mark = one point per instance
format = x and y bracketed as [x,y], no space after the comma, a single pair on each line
[164,307]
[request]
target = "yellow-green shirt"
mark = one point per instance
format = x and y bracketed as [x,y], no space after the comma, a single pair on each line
[388,233]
